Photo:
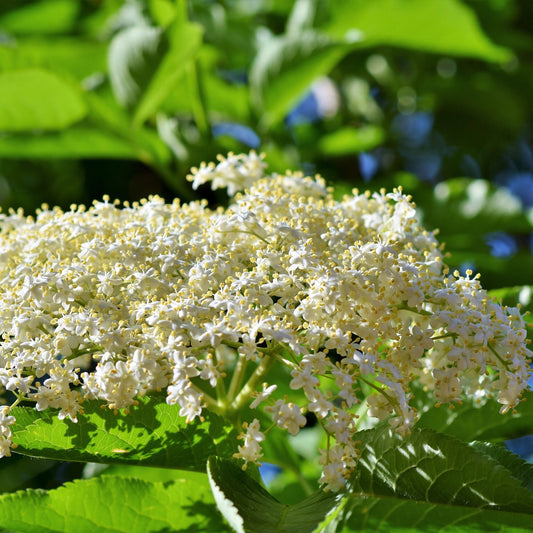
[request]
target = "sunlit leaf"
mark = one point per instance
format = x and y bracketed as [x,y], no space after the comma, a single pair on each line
[34,99]
[440,26]
[114,504]
[44,17]
[152,434]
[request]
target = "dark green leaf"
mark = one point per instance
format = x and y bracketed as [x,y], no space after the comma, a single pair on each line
[434,468]
[152,434]
[247,506]
[34,99]
[520,469]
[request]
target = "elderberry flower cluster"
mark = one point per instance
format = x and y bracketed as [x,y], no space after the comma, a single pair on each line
[347,300]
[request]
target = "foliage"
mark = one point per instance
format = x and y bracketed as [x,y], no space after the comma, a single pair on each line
[124,97]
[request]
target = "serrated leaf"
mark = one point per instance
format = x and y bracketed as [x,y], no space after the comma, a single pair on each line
[286,66]
[434,468]
[113,504]
[440,26]
[520,469]
[35,99]
[133,57]
[249,507]
[152,434]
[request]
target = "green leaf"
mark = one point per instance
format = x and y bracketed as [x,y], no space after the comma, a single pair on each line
[247,506]
[471,421]
[75,142]
[45,17]
[520,469]
[152,434]
[114,504]
[390,515]
[34,99]
[133,57]
[431,482]
[348,140]
[77,57]
[435,468]
[286,66]
[440,26]
[185,40]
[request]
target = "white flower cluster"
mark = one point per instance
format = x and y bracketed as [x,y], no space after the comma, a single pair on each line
[348,301]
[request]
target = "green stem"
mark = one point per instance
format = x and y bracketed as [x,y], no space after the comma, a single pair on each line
[251,385]
[237,378]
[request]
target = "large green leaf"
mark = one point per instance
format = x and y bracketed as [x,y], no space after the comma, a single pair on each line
[435,468]
[152,434]
[285,67]
[247,506]
[429,481]
[440,26]
[114,504]
[34,99]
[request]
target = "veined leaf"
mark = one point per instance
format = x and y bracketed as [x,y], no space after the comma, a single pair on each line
[431,482]
[434,468]
[34,99]
[286,66]
[114,504]
[152,434]
[247,506]
[440,26]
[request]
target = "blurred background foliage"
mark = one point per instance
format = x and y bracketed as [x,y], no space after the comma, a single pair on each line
[123,97]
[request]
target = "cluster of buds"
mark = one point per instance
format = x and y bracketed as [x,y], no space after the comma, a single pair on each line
[346,300]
